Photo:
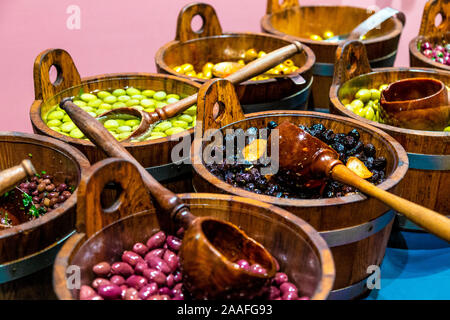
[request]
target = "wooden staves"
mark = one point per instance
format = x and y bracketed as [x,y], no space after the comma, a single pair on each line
[27,250]
[431,33]
[210,44]
[353,249]
[302,254]
[428,179]
[300,22]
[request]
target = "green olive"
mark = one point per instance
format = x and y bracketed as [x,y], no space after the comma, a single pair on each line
[119,92]
[162,126]
[67,126]
[369,114]
[447,129]
[80,103]
[185,117]
[110,99]
[55,115]
[375,94]
[88,97]
[357,104]
[103,94]
[148,93]
[363,95]
[132,91]
[383,87]
[54,123]
[192,111]
[111,124]
[174,130]
[76,133]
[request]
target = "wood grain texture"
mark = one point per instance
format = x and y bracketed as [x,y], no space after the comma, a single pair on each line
[148,153]
[432,194]
[18,242]
[430,32]
[301,252]
[299,22]
[322,214]
[228,47]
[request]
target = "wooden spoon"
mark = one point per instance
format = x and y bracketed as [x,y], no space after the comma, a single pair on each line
[203,252]
[254,68]
[9,178]
[313,159]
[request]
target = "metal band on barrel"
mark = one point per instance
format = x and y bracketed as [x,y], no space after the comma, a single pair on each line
[170,171]
[340,237]
[30,264]
[351,292]
[429,161]
[327,69]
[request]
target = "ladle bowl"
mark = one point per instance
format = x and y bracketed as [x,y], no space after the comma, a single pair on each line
[222,278]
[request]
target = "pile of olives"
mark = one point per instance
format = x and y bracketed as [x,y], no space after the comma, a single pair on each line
[438,53]
[122,125]
[366,103]
[286,67]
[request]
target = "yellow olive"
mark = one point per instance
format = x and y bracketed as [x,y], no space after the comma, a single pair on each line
[187,67]
[207,67]
[289,63]
[250,54]
[241,62]
[178,69]
[315,37]
[261,54]
[328,34]
[191,74]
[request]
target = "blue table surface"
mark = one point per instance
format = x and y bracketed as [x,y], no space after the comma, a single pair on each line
[416,266]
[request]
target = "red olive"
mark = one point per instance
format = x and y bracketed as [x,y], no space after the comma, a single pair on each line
[148,290]
[156,241]
[102,269]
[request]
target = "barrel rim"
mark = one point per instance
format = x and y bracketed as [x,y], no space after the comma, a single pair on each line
[37,122]
[267,26]
[416,53]
[336,102]
[399,169]
[70,152]
[160,54]
[312,237]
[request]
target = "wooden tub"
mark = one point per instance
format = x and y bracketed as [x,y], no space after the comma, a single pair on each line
[301,252]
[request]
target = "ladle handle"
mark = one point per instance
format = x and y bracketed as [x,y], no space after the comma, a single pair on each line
[430,220]
[431,10]
[249,71]
[171,208]
[9,178]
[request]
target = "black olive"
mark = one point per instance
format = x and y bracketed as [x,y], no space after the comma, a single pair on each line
[369,150]
[272,125]
[354,133]
[379,163]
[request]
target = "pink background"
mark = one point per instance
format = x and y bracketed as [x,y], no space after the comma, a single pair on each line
[121,37]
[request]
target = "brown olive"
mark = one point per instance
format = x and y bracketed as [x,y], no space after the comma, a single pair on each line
[53,201]
[47,202]
[47,181]
[50,187]
[61,199]
[41,187]
[66,194]
[53,194]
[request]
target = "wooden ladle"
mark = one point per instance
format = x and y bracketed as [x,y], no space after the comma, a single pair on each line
[254,68]
[9,178]
[210,246]
[312,159]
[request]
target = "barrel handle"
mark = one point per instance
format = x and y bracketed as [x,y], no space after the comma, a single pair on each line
[67,74]
[217,105]
[274,6]
[211,25]
[431,10]
[351,61]
[133,197]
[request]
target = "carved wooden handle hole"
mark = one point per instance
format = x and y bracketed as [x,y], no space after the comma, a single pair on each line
[438,19]
[351,67]
[198,23]
[55,74]
[218,111]
[109,198]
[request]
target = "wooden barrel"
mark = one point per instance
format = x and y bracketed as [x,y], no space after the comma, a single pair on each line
[428,179]
[299,22]
[29,249]
[431,33]
[301,252]
[355,227]
[155,155]
[210,44]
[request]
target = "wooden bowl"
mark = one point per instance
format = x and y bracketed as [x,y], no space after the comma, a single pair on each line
[299,22]
[431,33]
[428,179]
[27,250]
[153,154]
[351,225]
[301,252]
[210,44]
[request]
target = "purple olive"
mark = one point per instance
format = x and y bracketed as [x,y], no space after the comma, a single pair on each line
[123,291]
[109,291]
[171,259]
[117,280]
[148,290]
[122,268]
[426,45]
[177,276]
[177,289]
[274,293]
[165,291]
[428,53]
[62,187]
[170,281]
[158,264]
[243,264]
[280,278]
[159,297]
[132,258]
[180,232]
[154,253]
[258,269]
[156,241]
[137,282]
[86,292]
[131,294]
[96,297]
[288,287]
[140,248]
[99,281]
[173,243]
[140,267]
[102,269]
[289,296]
[154,275]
